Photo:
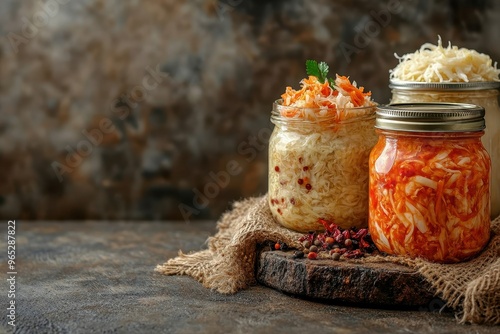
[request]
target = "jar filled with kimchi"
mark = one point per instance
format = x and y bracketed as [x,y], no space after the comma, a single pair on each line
[429,176]
[318,155]
[484,94]
[437,73]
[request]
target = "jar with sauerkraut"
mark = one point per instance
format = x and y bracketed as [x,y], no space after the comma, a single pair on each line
[430,182]
[318,155]
[438,74]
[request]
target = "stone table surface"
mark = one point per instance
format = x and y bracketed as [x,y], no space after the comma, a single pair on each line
[97,277]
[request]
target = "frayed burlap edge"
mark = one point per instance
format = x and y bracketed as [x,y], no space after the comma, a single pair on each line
[471,288]
[228,264]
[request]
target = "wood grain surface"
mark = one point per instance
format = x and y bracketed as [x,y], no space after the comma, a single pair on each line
[376,284]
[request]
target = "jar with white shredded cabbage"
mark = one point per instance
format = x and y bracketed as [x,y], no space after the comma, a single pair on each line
[318,165]
[451,74]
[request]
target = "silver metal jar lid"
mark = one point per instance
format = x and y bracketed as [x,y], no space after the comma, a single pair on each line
[430,117]
[444,86]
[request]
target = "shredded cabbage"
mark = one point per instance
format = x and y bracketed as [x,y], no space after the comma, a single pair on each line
[316,99]
[317,172]
[434,201]
[491,137]
[318,155]
[433,63]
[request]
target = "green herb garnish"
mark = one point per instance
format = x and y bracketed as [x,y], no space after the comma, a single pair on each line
[320,71]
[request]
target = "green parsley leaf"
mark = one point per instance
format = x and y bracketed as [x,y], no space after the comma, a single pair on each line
[323,70]
[312,68]
[319,71]
[332,83]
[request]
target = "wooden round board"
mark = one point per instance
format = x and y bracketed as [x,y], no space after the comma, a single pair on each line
[377,284]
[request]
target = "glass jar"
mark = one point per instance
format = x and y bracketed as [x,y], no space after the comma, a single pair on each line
[318,167]
[429,182]
[484,94]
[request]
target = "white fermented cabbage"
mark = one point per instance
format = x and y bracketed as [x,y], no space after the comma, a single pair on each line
[317,172]
[433,63]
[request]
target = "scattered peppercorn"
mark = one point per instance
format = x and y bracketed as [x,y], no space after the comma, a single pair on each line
[351,243]
[300,181]
[308,186]
[305,168]
[298,254]
[336,256]
[276,168]
[312,255]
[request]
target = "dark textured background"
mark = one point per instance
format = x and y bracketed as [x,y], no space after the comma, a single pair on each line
[174,90]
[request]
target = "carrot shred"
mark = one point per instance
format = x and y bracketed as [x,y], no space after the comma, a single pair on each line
[317,95]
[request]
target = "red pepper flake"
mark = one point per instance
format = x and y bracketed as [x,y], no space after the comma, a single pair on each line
[279,211]
[277,169]
[292,200]
[354,254]
[282,200]
[308,186]
[300,181]
[306,168]
[300,159]
[390,184]
[277,246]
[407,172]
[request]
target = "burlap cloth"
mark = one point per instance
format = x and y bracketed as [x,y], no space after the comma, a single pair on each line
[471,288]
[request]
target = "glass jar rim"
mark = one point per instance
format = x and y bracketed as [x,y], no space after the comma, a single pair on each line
[353,114]
[444,86]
